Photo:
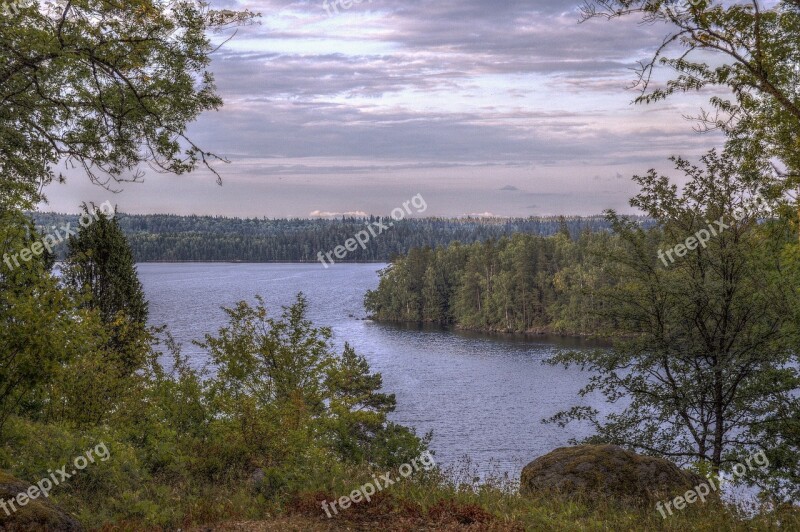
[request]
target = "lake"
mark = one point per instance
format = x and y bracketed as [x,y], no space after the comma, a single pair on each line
[483,396]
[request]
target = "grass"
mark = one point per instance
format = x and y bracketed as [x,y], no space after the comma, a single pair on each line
[126,494]
[417,507]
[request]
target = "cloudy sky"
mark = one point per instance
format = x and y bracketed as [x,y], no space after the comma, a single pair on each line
[508,107]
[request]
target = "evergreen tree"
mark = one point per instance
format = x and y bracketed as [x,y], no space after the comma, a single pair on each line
[100,266]
[358,409]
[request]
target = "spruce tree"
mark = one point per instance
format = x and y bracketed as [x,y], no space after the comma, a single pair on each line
[100,265]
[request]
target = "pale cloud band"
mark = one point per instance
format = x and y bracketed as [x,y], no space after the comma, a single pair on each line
[342,113]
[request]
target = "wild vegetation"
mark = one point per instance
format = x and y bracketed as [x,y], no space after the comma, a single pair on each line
[705,359]
[705,366]
[522,283]
[155,238]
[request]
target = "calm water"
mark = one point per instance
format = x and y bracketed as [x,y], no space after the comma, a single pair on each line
[482,396]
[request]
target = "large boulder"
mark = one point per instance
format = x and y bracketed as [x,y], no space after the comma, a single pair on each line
[606,472]
[38,514]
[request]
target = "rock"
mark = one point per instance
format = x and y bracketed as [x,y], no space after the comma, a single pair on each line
[595,472]
[37,514]
[257,477]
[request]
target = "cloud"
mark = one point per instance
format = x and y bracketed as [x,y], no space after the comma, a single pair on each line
[481,215]
[326,214]
[457,95]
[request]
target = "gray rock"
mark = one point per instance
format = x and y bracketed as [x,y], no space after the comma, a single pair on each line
[603,472]
[38,514]
[257,477]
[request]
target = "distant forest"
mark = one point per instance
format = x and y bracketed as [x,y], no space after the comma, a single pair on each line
[166,238]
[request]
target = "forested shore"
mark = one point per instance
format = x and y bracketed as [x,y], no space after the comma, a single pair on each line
[171,238]
[106,424]
[523,283]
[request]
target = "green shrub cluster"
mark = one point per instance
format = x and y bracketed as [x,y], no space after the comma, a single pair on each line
[278,410]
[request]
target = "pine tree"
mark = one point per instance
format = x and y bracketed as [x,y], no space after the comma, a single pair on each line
[359,409]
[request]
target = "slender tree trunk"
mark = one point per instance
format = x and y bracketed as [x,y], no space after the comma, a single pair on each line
[719,421]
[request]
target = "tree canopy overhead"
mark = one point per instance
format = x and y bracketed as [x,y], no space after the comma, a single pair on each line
[105,86]
[759,49]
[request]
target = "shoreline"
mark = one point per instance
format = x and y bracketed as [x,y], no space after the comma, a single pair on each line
[254,262]
[542,333]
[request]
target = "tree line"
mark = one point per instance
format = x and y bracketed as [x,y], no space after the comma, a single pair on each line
[165,238]
[521,283]
[704,348]
[704,368]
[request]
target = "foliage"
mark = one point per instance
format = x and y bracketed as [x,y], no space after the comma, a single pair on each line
[281,387]
[105,85]
[709,351]
[157,237]
[518,284]
[41,328]
[751,51]
[123,493]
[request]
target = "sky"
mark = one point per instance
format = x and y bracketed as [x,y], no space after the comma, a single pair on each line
[483,107]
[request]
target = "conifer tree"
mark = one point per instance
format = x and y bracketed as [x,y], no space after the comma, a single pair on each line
[100,266]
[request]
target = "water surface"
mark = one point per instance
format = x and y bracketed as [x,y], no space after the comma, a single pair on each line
[483,396]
